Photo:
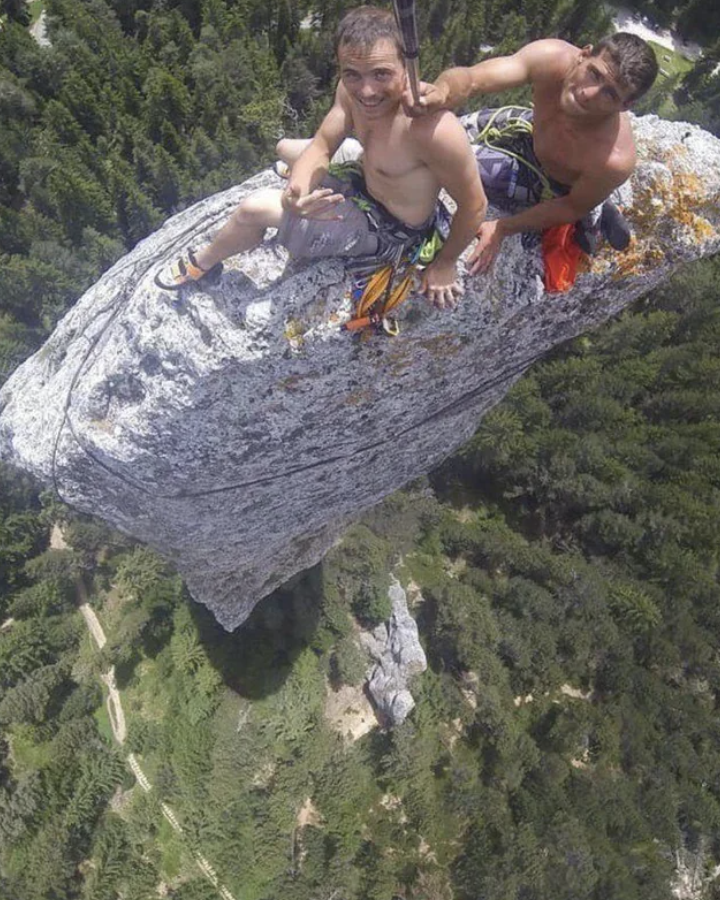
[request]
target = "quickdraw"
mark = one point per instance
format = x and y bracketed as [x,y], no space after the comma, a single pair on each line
[381,294]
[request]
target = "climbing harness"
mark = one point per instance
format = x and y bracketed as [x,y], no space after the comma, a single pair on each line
[380,294]
[402,249]
[508,131]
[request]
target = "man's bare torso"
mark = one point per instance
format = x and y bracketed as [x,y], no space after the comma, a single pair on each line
[568,148]
[394,173]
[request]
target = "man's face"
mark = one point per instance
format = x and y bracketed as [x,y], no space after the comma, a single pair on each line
[374,78]
[591,88]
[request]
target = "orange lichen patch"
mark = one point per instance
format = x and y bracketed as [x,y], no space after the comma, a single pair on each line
[357,398]
[294,329]
[293,382]
[702,229]
[637,259]
[585,264]
[679,151]
[443,345]
[398,360]
[678,199]
[688,198]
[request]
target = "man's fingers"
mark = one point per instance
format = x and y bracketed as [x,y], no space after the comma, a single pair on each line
[320,198]
[445,297]
[319,204]
[480,260]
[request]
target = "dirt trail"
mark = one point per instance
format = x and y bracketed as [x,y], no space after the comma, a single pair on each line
[114,707]
[57,538]
[92,621]
[117,714]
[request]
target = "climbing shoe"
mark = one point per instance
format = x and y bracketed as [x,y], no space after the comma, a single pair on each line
[587,237]
[614,226]
[183,270]
[281,168]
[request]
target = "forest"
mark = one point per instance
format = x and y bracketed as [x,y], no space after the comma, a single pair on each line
[566,738]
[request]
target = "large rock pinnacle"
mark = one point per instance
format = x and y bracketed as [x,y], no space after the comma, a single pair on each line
[237,430]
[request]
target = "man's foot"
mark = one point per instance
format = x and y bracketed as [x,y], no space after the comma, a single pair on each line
[614,226]
[586,237]
[183,270]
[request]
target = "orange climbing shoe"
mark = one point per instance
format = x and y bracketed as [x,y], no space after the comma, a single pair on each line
[183,270]
[281,168]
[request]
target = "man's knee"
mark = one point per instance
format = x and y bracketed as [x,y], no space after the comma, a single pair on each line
[261,210]
[289,150]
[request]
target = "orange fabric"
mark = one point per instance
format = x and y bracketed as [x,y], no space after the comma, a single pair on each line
[561,256]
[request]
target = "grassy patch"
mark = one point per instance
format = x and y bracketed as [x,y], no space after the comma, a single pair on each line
[26,754]
[36,7]
[102,719]
[670,62]
[171,850]
[673,67]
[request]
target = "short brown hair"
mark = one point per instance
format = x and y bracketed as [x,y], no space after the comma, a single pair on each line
[632,59]
[365,26]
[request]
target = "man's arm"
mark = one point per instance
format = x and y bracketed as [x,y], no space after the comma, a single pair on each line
[443,146]
[589,191]
[454,87]
[301,194]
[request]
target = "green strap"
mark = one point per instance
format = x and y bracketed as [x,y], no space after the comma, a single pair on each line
[515,126]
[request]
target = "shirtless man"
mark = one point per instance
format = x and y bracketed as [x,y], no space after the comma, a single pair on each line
[581,135]
[406,162]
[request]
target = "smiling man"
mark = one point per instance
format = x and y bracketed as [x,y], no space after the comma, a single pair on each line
[370,213]
[575,146]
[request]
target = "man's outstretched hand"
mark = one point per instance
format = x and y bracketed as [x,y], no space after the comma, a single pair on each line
[318,204]
[440,285]
[431,99]
[490,238]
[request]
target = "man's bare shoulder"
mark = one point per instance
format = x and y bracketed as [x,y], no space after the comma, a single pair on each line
[611,162]
[623,159]
[438,129]
[548,59]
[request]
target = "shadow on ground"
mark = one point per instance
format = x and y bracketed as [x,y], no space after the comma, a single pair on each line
[256,658]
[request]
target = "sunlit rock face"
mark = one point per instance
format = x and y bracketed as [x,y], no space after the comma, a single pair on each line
[237,429]
[398,657]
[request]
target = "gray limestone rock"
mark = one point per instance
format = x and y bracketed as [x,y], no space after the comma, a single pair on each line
[395,647]
[237,429]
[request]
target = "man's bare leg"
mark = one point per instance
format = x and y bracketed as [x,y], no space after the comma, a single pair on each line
[289,150]
[245,228]
[243,231]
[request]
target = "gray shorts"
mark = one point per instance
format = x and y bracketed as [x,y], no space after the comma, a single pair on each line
[352,235]
[366,230]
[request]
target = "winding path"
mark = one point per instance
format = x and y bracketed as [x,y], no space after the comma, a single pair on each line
[117,716]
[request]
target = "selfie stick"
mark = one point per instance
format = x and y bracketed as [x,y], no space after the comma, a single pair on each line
[407,26]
